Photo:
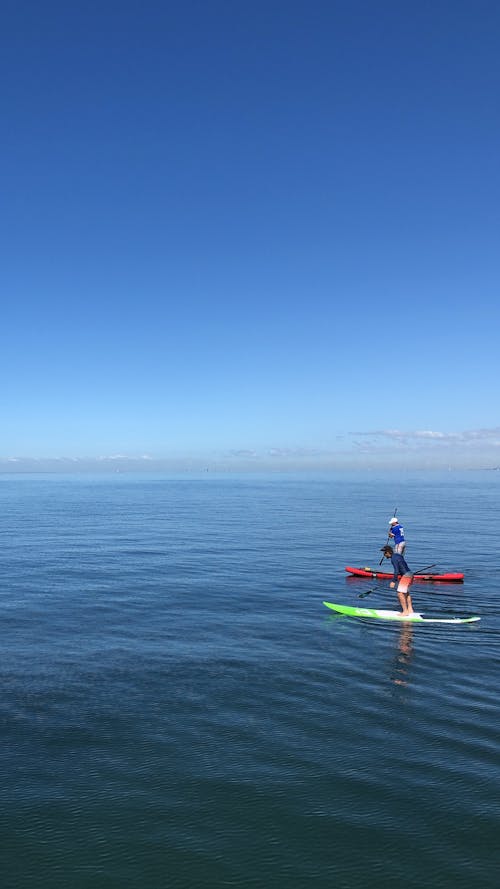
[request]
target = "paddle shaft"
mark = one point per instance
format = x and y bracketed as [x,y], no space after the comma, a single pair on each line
[380,587]
[388,536]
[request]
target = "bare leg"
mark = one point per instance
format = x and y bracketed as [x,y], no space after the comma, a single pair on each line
[403,594]
[402,602]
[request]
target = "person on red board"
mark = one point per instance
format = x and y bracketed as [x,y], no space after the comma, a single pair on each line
[396,531]
[402,577]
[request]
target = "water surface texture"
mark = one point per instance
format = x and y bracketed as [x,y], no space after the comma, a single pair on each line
[178,709]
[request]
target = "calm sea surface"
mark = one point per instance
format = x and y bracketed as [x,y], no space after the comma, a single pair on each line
[178,708]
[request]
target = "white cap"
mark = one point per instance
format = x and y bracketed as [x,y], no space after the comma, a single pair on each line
[393,521]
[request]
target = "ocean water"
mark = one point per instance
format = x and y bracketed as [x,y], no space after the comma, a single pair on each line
[178,708]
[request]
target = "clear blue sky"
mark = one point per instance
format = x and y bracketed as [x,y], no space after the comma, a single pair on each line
[264,230]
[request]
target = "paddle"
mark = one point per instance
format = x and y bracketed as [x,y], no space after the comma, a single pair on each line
[388,536]
[380,587]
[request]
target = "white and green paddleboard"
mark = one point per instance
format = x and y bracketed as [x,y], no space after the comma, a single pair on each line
[381,614]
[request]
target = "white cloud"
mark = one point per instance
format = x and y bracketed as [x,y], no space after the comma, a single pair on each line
[426,436]
[123,457]
[293,452]
[243,452]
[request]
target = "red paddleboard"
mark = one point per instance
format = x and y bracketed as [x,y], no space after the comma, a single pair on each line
[383,575]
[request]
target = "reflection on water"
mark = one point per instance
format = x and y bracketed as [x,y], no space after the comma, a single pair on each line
[404,655]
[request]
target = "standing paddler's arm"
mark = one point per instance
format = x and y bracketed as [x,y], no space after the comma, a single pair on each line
[396,569]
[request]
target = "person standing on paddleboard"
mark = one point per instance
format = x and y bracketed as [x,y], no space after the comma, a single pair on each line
[397,532]
[402,574]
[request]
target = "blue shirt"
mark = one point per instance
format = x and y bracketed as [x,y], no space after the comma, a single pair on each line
[397,531]
[399,565]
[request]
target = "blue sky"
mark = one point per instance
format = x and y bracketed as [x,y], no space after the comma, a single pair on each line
[250,233]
